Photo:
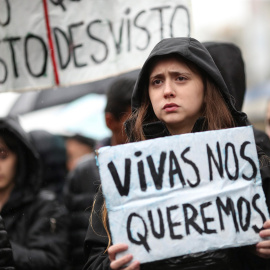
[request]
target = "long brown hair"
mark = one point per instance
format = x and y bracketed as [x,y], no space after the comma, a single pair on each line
[104,218]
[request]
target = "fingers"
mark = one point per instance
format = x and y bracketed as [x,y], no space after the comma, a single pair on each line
[266,224]
[116,264]
[119,263]
[263,247]
[112,250]
[264,244]
[134,266]
[263,252]
[266,231]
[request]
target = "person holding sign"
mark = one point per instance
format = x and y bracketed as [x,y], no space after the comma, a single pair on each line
[179,90]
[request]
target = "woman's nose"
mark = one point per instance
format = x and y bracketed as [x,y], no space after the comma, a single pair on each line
[168,90]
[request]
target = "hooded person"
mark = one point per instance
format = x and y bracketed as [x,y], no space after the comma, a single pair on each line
[77,147]
[229,60]
[179,90]
[36,224]
[52,152]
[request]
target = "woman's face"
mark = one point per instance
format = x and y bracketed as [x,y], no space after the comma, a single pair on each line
[8,162]
[177,94]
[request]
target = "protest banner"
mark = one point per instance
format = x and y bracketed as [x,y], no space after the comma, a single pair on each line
[48,43]
[184,194]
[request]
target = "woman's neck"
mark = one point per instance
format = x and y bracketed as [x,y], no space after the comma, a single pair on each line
[180,130]
[189,127]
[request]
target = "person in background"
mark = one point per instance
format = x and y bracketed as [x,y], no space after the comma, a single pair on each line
[117,110]
[84,180]
[35,222]
[77,146]
[179,90]
[6,255]
[52,152]
[229,60]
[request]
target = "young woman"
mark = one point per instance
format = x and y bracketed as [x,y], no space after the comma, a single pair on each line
[179,90]
[35,223]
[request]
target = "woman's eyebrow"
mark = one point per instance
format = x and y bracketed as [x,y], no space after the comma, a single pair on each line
[179,72]
[156,75]
[172,72]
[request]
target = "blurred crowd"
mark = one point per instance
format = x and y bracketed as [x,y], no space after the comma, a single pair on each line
[47,187]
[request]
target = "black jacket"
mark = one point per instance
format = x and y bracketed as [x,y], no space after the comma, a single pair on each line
[96,241]
[80,189]
[6,256]
[36,224]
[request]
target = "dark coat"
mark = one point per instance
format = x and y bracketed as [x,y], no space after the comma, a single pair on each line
[96,241]
[6,256]
[36,224]
[81,187]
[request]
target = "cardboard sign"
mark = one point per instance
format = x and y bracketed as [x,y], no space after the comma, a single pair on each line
[62,42]
[184,194]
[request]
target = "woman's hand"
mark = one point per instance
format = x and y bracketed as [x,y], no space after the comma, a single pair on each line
[263,247]
[119,263]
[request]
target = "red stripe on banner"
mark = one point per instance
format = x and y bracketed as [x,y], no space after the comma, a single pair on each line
[55,71]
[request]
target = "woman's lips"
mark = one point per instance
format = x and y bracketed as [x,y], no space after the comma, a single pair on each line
[170,107]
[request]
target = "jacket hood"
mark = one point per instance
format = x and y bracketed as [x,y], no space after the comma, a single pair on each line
[195,52]
[52,152]
[28,175]
[229,60]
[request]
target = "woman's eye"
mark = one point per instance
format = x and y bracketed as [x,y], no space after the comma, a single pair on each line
[157,82]
[181,78]
[3,153]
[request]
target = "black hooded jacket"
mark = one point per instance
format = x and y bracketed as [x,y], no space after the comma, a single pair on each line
[6,256]
[36,224]
[95,245]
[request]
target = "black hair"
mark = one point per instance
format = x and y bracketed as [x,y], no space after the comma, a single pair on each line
[84,140]
[52,151]
[15,146]
[10,140]
[119,96]
[228,59]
